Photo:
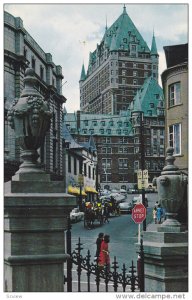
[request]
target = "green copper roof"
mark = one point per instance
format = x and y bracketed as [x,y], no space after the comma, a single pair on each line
[83,75]
[123,32]
[92,124]
[153,46]
[148,98]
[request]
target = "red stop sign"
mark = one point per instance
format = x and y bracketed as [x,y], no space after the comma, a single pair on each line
[139,213]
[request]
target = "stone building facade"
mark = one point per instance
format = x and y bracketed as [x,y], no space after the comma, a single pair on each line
[117,68]
[175,86]
[22,51]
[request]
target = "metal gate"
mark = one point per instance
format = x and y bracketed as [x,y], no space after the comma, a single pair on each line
[125,281]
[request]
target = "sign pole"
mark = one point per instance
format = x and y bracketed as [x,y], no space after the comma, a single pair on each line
[139,233]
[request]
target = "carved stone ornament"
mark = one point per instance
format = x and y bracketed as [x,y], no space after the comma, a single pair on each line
[171,186]
[30,117]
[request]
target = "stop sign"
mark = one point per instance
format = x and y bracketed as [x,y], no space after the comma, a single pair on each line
[139,213]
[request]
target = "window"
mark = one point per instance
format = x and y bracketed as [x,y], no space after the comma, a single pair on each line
[69,163]
[102,123]
[123,163]
[94,123]
[133,47]
[135,81]
[123,72]
[106,177]
[41,73]
[175,138]
[85,170]
[136,150]
[136,165]
[106,164]
[25,52]
[75,166]
[33,63]
[123,81]
[134,73]
[109,150]
[86,122]
[174,94]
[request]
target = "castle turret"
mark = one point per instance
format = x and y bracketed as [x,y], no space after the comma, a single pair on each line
[155,59]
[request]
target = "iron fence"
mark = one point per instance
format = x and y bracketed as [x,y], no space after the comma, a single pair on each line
[126,280]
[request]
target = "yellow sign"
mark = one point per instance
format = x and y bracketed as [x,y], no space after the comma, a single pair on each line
[145,174]
[142,179]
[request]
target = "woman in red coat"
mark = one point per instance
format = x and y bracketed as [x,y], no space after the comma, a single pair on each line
[104,259]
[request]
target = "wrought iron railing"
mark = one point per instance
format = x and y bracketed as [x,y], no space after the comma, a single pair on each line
[127,281]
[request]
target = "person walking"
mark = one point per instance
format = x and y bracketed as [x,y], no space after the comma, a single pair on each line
[155,214]
[104,258]
[98,245]
[159,214]
[105,213]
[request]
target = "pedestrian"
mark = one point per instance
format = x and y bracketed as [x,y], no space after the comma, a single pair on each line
[104,258]
[159,214]
[98,245]
[106,213]
[155,214]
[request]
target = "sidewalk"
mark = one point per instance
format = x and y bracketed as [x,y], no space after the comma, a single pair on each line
[152,227]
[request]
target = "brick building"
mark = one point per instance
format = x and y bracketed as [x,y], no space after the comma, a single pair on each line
[22,51]
[118,138]
[117,68]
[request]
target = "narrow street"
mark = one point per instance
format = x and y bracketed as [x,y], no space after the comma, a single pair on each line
[123,238]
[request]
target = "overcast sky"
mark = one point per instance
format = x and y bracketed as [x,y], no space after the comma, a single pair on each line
[61,30]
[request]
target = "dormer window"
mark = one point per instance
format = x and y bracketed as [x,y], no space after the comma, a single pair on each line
[86,122]
[103,123]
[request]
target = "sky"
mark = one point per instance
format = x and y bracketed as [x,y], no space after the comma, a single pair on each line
[70,31]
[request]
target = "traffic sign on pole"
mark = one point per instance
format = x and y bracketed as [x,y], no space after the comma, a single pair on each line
[139,213]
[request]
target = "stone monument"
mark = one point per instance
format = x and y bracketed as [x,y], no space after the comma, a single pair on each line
[35,208]
[166,249]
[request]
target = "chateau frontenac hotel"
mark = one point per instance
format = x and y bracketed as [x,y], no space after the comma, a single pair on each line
[117,68]
[122,106]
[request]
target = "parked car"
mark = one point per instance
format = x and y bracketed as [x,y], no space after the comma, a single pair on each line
[126,207]
[133,191]
[138,199]
[76,215]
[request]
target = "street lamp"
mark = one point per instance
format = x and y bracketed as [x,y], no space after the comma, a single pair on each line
[142,153]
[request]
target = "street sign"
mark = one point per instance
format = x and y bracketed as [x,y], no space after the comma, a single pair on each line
[139,213]
[142,179]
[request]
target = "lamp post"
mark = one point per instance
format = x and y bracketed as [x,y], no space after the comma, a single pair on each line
[81,183]
[142,153]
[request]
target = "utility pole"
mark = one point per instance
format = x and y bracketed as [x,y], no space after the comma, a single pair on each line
[142,152]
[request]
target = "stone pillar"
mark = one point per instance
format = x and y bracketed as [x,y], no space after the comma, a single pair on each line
[166,248]
[165,261]
[35,219]
[35,208]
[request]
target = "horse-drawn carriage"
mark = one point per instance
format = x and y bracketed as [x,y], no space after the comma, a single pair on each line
[91,216]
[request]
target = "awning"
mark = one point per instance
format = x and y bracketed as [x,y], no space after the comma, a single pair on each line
[82,192]
[72,190]
[90,189]
[75,191]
